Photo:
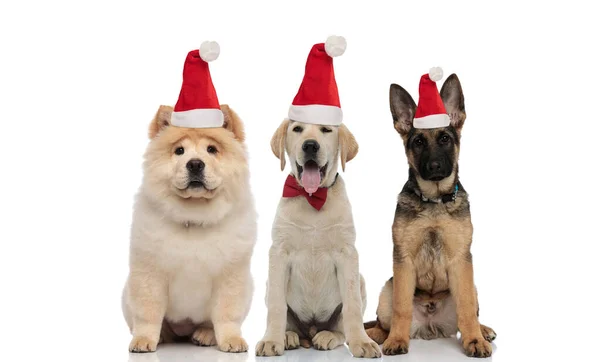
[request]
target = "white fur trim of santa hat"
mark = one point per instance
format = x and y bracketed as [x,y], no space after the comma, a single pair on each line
[198,118]
[432,121]
[316,114]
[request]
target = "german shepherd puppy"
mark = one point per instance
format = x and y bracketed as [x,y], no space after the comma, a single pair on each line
[432,293]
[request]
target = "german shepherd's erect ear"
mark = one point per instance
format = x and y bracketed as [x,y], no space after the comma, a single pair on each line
[454,102]
[278,142]
[403,109]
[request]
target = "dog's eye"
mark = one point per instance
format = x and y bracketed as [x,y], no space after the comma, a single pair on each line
[297,129]
[179,151]
[212,149]
[445,138]
[419,142]
[325,130]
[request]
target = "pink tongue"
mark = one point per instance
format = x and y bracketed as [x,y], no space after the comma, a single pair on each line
[311,179]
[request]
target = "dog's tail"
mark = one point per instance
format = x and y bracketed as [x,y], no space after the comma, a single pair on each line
[370,324]
[376,332]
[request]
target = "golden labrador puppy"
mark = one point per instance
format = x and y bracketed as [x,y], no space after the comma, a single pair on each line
[315,294]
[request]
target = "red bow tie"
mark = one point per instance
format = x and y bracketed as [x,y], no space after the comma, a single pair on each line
[292,189]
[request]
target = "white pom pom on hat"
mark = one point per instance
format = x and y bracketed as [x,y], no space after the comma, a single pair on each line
[335,46]
[436,73]
[209,51]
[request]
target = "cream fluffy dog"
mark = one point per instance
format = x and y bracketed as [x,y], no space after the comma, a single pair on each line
[315,294]
[192,237]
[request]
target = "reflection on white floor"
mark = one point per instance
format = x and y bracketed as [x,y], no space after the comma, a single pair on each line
[446,350]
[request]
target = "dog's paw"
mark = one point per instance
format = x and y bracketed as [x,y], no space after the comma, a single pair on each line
[326,340]
[393,346]
[365,349]
[269,348]
[292,341]
[488,333]
[142,344]
[233,344]
[477,347]
[377,334]
[204,337]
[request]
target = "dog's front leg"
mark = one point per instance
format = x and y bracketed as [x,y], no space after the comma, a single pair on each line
[147,302]
[402,296]
[462,288]
[231,306]
[272,343]
[359,343]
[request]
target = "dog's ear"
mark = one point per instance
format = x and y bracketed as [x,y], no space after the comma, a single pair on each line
[278,142]
[233,122]
[454,101]
[403,109]
[348,145]
[161,120]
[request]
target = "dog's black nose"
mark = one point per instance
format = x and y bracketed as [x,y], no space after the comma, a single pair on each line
[310,146]
[434,166]
[195,165]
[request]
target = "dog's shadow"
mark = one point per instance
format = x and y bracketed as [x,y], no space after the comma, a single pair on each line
[181,352]
[442,349]
[176,352]
[340,353]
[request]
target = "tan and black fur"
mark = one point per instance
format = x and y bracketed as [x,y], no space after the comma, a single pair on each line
[432,293]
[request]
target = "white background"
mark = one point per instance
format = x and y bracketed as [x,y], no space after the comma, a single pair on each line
[80,81]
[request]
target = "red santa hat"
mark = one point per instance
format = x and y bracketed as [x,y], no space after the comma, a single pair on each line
[431,112]
[198,105]
[317,100]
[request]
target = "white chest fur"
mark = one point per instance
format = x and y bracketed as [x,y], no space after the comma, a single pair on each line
[192,257]
[312,241]
[313,289]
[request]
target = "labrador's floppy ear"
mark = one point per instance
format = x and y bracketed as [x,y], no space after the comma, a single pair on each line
[233,123]
[278,142]
[348,145]
[161,120]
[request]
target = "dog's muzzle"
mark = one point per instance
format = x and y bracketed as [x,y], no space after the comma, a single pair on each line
[436,170]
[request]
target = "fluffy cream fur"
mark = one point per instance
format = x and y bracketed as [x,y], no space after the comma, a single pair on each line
[313,263]
[191,248]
